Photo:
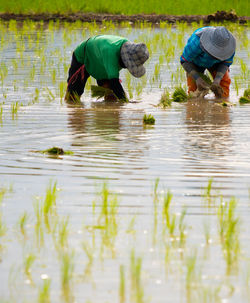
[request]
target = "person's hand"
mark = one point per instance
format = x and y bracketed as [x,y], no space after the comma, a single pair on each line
[217,89]
[201,84]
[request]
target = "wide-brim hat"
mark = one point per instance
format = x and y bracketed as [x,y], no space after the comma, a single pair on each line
[133,56]
[218,42]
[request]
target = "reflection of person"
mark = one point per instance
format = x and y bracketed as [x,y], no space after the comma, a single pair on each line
[208,129]
[211,48]
[102,57]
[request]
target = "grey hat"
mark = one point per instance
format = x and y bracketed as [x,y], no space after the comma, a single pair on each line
[133,56]
[218,42]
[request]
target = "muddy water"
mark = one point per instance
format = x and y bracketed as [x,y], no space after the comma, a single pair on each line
[188,145]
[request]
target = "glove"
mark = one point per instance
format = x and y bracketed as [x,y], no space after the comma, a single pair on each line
[201,84]
[217,89]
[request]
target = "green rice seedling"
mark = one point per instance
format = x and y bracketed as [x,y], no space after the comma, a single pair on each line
[137,292]
[182,228]
[3,227]
[247,93]
[22,223]
[131,226]
[62,88]
[39,226]
[179,95]
[207,233]
[165,100]
[122,288]
[50,95]
[148,119]
[67,272]
[107,217]
[191,270]
[89,251]
[206,78]
[49,203]
[14,109]
[166,209]
[28,262]
[207,191]
[100,92]
[229,231]
[244,100]
[1,114]
[63,232]
[246,97]
[3,192]
[44,292]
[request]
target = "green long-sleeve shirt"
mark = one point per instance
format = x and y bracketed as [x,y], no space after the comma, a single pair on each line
[100,55]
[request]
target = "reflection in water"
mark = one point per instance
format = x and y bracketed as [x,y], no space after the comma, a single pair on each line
[101,119]
[208,129]
[109,137]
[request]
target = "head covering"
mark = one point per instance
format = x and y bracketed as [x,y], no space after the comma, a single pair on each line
[133,56]
[218,42]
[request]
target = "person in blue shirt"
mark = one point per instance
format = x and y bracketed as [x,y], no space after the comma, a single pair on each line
[211,48]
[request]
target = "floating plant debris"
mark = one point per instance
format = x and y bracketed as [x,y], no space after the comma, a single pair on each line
[56,151]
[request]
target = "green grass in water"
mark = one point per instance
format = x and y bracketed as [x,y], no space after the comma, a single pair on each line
[148,119]
[179,95]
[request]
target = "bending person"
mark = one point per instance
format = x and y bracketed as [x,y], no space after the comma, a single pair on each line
[102,57]
[211,48]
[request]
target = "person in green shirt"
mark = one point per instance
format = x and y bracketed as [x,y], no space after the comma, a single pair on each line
[102,57]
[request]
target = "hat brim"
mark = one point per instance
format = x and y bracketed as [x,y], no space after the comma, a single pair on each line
[137,71]
[220,53]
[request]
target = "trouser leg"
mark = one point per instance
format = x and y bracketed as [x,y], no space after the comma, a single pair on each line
[77,78]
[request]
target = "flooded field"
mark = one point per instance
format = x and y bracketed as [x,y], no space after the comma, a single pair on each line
[132,213]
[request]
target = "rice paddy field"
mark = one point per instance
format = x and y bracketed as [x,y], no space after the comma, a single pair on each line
[129,212]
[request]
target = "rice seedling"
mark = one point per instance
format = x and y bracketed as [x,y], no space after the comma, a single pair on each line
[179,95]
[207,234]
[29,260]
[148,119]
[44,292]
[38,225]
[165,100]
[49,203]
[14,109]
[192,273]
[207,191]
[229,232]
[67,272]
[3,227]
[63,233]
[137,292]
[122,288]
[246,97]
[22,223]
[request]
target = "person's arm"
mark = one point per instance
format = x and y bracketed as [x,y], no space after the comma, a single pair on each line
[191,51]
[117,88]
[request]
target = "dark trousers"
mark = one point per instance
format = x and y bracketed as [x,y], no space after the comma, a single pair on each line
[77,78]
